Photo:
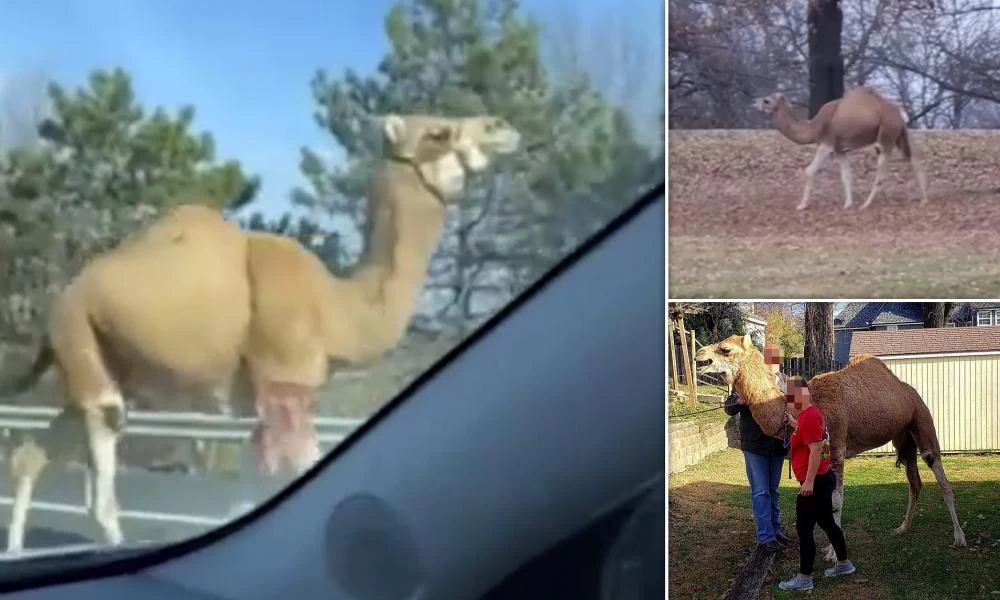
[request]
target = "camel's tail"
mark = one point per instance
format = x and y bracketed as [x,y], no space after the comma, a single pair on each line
[924,433]
[906,449]
[24,381]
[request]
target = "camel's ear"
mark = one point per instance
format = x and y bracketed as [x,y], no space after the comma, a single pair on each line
[394,128]
[747,342]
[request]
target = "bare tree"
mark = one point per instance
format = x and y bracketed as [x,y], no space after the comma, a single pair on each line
[936,313]
[826,63]
[819,341]
[940,60]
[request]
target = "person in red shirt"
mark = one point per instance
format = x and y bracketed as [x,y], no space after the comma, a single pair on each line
[810,458]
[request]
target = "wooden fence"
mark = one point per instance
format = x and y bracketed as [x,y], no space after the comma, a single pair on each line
[798,366]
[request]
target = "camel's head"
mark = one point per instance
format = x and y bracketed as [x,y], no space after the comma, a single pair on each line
[725,358]
[770,103]
[446,149]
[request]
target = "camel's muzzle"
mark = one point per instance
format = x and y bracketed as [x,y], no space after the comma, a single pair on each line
[703,365]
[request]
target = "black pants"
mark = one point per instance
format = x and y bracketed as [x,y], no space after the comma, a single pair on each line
[817,509]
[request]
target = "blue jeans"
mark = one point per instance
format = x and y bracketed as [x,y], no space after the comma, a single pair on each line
[764,473]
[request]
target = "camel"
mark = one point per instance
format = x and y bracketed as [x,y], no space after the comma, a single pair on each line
[194,306]
[865,406]
[862,118]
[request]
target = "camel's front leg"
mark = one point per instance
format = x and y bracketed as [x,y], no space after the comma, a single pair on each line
[287,431]
[838,508]
[837,464]
[822,153]
[104,421]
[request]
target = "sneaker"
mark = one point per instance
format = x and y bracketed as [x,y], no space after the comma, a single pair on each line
[773,545]
[783,537]
[844,568]
[797,583]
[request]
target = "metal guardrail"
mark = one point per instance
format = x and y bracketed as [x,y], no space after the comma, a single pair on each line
[199,427]
[184,425]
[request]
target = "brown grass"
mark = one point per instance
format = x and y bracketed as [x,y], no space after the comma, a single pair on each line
[734,230]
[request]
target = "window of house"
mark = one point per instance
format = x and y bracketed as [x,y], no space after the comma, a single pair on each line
[984,317]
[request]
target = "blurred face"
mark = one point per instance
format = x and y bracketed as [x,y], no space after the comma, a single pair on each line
[772,355]
[798,398]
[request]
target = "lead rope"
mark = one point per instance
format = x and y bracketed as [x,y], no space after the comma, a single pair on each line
[787,441]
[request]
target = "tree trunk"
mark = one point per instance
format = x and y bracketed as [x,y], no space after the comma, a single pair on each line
[936,313]
[818,337]
[826,63]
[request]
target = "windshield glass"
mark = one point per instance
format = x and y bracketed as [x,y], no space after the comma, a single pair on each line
[231,232]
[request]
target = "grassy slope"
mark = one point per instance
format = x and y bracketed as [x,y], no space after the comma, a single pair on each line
[734,230]
[711,531]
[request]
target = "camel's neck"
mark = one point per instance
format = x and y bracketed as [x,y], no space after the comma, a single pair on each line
[755,384]
[798,130]
[405,222]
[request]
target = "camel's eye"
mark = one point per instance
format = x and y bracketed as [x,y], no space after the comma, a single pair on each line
[723,350]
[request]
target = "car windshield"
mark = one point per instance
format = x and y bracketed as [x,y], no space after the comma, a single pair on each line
[231,232]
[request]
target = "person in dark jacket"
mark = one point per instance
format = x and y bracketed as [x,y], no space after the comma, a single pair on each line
[764,457]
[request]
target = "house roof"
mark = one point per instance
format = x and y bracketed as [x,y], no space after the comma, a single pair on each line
[938,340]
[868,314]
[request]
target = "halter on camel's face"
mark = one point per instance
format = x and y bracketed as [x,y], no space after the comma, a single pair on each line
[726,357]
[445,150]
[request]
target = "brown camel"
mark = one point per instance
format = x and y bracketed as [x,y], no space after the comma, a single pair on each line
[860,119]
[865,406]
[193,306]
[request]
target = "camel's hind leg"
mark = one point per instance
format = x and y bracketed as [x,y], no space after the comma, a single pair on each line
[906,452]
[845,178]
[822,153]
[949,498]
[879,170]
[62,439]
[926,437]
[921,177]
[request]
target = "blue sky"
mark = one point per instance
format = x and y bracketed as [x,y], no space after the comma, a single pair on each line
[246,66]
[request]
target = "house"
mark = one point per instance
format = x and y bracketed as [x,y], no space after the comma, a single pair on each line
[955,370]
[977,314]
[754,323]
[894,316]
[872,316]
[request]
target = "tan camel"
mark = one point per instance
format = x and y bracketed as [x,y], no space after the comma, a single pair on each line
[865,406]
[860,119]
[192,306]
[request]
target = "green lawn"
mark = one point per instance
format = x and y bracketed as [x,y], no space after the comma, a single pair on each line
[711,531]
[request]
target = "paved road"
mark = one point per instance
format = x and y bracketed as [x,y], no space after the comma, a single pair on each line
[207,496]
